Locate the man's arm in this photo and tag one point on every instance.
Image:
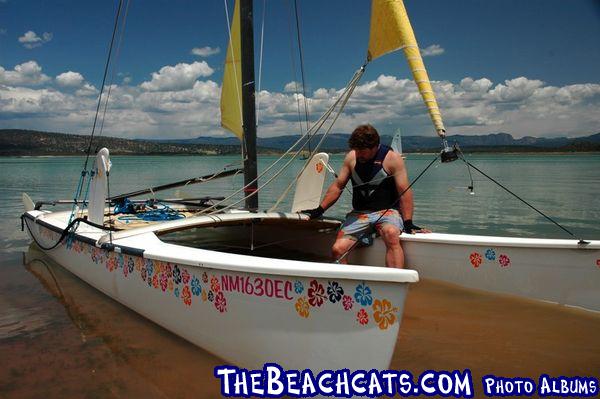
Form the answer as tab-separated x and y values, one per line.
336	188
398	169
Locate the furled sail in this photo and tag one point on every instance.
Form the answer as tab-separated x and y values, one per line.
391	30
231	91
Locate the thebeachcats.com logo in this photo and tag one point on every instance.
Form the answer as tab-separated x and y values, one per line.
272	381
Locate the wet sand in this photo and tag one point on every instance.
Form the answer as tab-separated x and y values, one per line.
60	338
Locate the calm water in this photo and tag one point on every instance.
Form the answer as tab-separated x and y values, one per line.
61	338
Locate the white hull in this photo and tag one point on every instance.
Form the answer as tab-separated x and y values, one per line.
247	310
559	271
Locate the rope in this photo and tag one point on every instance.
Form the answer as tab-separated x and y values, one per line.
64	233
393	205
155	215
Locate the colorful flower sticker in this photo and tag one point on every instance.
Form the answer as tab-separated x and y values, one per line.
347	302
302	307
598	262
504	260
204	296
176	292
383	313
163	282
316	294
196	287
214	284
204	277
186	295
490	254
334	291
211	296
363	294
170	285
185	276
299	288
475	259
221	302
176	275
155	282
149	267
362	317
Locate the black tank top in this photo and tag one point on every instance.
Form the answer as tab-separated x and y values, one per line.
373	189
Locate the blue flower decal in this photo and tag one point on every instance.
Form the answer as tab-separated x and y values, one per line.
149	267
490	254
120	261
298	287
176	275
363	295
334	291
176	292
196	288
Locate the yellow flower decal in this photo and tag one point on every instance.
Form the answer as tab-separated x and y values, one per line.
203	295
303	307
383	313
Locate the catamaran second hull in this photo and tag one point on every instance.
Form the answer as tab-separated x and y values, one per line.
247	310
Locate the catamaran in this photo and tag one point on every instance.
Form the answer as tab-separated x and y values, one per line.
298	309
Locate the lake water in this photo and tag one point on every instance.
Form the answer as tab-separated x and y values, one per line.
61	338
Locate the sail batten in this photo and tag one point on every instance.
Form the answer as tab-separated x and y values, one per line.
391	31
231	91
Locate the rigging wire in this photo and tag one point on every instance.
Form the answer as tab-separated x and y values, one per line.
302	68
294	77
260	60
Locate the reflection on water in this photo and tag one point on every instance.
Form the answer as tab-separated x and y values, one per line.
72	341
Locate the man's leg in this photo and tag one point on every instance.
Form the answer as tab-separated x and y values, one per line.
341	245
394	256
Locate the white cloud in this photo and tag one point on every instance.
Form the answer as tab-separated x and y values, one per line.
205	51
30	39
27	74
187	107
293	87
179	77
70	79
433	50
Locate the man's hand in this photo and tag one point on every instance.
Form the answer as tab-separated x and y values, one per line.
411	228
314	213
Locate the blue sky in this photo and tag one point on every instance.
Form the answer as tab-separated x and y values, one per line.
523	67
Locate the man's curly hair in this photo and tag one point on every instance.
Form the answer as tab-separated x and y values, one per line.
363	137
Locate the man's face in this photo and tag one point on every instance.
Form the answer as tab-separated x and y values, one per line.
364	155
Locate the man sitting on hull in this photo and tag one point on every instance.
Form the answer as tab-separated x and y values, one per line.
378	176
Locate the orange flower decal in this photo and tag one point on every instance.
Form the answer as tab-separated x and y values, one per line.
204	296
302	307
319	167
186	295
383	313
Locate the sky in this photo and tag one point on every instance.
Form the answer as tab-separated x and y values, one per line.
528	68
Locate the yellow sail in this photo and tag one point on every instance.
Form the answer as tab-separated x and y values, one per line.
231	91
391	30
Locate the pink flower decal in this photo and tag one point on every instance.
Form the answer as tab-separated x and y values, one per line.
476	259
155	281
347	302
220	302
186	295
504	260
163	282
185	276
214	284
598	262
362	317
316	294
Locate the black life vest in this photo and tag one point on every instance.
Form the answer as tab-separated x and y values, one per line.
373	189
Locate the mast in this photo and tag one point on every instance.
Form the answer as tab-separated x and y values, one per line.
248	103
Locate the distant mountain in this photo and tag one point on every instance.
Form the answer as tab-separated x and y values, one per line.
338	142
29	142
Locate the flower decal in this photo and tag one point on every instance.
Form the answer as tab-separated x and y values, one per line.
205	277
214	284
196	288
204	296
143	274
130	265
299	288
163	282
383	313
504	260
475	259
176	275
170	285
490	254
176	292
362	317
363	295
598	262
316	294
334	291
155	281
221	302
169	270
149	267
211	296
302	307
347	302
186	295
185	276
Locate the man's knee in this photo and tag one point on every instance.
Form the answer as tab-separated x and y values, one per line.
390	234
341	246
